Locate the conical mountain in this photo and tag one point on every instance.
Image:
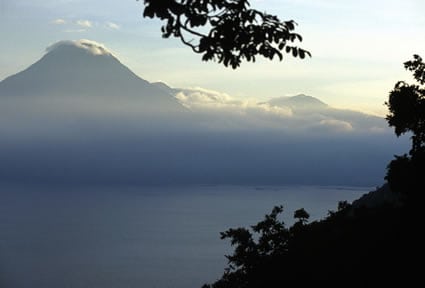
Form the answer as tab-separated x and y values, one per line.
83	68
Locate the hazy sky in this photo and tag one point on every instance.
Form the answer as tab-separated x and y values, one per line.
358	46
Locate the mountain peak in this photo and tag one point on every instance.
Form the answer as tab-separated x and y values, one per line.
75	68
89	46
300	101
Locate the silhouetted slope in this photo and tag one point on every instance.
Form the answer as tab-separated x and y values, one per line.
379	197
379	245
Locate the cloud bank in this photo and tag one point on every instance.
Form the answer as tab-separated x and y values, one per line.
223	111
199	98
109	140
338	125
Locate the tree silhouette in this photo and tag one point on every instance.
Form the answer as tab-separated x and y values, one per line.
407	106
257	251
301	215
227	31
407	115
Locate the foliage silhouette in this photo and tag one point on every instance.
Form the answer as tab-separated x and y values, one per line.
253	258
301	215
407	115
352	247
227	31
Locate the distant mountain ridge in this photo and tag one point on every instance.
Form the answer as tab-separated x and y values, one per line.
305	110
72	69
86	68
299	102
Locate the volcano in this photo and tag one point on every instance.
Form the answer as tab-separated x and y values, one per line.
84	68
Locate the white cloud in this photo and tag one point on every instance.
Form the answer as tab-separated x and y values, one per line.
220	111
92	46
203	99
275	110
84	23
113	25
337	125
59	21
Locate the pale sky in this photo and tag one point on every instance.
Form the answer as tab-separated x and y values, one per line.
358	46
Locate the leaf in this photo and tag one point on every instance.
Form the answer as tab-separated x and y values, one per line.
148	12
294	52
290	25
280	55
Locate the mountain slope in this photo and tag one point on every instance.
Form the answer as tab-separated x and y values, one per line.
308	107
84	68
300	101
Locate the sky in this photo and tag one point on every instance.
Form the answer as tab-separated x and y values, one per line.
358	47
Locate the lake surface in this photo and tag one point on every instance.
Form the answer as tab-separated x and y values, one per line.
137	237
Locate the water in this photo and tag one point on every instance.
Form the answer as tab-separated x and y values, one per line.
136	237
